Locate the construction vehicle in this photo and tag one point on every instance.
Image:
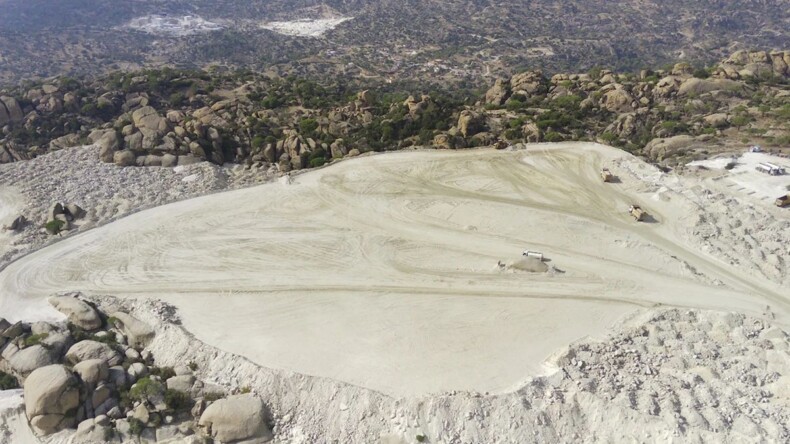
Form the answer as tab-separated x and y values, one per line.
537	255
607	175
783	201
637	212
770	168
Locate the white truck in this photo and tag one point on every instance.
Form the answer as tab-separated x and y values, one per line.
536	254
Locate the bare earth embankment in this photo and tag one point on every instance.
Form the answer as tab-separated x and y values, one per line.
382	272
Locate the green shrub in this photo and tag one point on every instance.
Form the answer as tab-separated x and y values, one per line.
553	136
307	126
421	438
176	400
8	382
35	339
164	373
124	401
258	141
213	396
740	121
81	335
176	99
77	333
317	162
110	338
136	426
144	388
608	137
701	73
516	123
54	226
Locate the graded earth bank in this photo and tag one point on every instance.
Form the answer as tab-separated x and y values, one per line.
382	271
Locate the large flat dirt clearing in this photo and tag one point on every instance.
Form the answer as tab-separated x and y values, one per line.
383	271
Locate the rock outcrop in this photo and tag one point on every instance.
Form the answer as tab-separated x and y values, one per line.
138	332
236	418
88	350
661	148
10	111
498	93
77	311
745	64
51	399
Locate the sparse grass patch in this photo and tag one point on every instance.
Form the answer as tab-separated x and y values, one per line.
35	339
214	396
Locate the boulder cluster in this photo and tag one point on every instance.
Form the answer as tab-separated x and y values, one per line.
144	137
92	375
639	112
168	118
744	64
61	217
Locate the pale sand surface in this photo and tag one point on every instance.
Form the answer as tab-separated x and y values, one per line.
10	203
382	271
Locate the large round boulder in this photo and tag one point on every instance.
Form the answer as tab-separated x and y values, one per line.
30	358
78	312
52	395
659	149
85	350
124	158
235	418
617	100
92	371
139	333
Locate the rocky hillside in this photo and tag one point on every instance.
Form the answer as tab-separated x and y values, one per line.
168	117
430	41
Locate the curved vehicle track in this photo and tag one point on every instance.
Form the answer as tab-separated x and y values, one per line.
381	271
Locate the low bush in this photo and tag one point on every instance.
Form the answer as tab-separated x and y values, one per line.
164	373
8	382
317	162
176	400
136	426
213	396
144	388
54	226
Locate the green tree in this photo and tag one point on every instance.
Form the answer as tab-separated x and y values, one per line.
308	126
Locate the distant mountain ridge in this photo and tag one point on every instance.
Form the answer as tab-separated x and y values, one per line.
429	40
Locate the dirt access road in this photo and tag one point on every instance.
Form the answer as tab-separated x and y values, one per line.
382	271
